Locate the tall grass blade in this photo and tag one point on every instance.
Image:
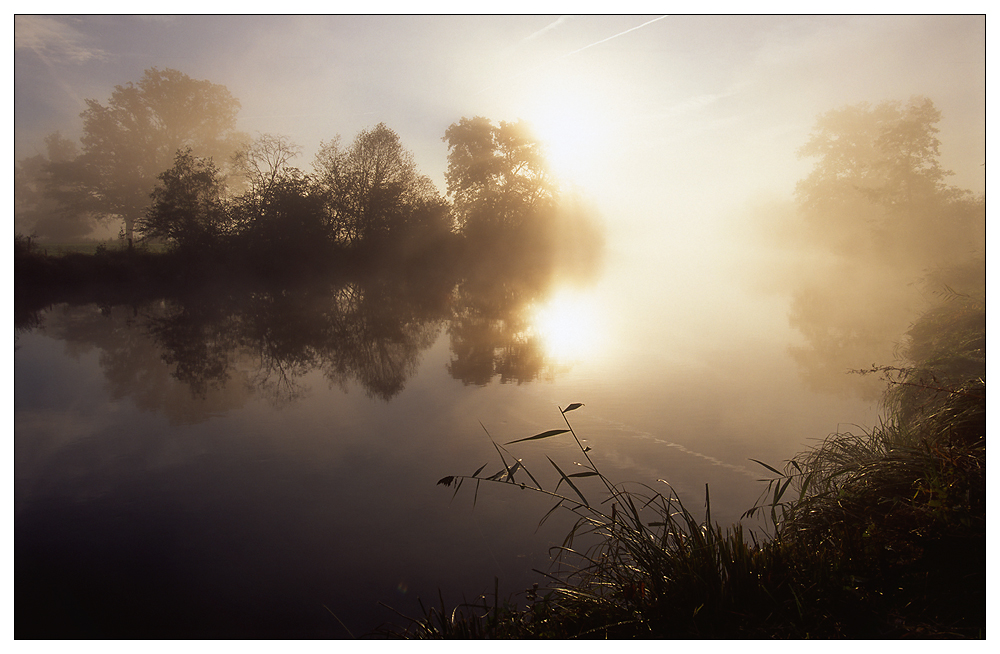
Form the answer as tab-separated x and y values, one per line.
513	469
777	472
546	434
550	512
708	508
568	481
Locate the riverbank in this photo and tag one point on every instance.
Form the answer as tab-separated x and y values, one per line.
877	534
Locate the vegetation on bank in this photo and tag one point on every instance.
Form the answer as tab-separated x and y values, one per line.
880	534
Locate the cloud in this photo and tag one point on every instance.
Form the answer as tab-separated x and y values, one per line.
53	41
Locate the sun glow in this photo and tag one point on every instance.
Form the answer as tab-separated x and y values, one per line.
573	127
569	326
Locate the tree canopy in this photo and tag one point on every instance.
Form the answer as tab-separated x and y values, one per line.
129	141
164	157
497	175
878	189
373	189
187	204
35	206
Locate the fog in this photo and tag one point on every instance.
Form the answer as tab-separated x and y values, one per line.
775	200
676	126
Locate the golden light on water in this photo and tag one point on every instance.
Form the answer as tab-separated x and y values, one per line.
570	326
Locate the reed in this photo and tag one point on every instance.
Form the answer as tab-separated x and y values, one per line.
872	534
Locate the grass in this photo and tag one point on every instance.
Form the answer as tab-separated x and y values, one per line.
878	534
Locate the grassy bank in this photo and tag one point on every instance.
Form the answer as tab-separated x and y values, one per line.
879	534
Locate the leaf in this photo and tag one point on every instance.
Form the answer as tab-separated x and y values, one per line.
573	407
476	473
545	434
502	458
446	480
496	476
568	481
513	469
551	511
583	474
777	472
779	493
531	476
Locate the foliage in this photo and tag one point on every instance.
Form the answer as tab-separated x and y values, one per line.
163	156
878	211
188	208
374	191
264	163
35	208
878	189
497	176
873	535
131	140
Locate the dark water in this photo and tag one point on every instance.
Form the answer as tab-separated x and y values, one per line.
264	463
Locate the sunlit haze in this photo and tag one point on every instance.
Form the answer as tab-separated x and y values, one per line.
571	327
254	325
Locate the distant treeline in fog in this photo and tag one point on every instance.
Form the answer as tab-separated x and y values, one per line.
163	159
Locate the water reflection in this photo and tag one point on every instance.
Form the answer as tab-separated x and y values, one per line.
490	331
370	331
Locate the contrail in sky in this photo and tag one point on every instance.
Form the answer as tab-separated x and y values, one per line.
570	54
648	22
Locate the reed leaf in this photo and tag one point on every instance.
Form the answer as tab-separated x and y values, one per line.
546	434
568	481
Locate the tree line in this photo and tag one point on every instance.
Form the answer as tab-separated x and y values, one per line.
164	158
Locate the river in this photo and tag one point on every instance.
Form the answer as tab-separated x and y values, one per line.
264	463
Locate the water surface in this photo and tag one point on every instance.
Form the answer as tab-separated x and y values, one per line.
247	464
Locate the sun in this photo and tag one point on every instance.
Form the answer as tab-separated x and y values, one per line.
569	326
573	128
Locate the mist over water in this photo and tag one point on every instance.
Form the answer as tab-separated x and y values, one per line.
735	231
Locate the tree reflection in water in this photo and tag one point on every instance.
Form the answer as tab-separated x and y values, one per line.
229	345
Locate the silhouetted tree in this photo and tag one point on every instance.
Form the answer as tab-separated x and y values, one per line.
131	140
188	208
264	164
497	175
374	192
279	221
879	190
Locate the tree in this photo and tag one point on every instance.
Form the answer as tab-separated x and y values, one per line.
265	167
497	176
265	162
35	209
279	220
889	228
878	190
131	140
188	207
374	191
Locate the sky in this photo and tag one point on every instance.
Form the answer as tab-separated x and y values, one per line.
618	95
